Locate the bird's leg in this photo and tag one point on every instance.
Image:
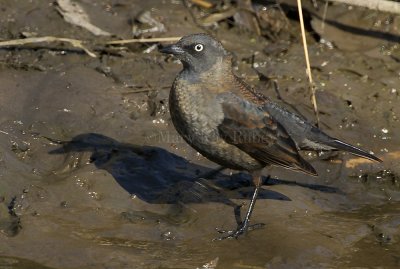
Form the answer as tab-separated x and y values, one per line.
245	226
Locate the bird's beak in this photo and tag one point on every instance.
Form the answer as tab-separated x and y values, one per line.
172	49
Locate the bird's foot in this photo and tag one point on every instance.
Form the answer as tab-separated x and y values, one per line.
241	230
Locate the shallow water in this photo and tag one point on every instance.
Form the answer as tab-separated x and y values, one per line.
93	175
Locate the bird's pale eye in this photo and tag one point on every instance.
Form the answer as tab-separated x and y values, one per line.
198	47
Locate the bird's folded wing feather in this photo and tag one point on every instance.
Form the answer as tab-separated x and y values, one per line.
255	132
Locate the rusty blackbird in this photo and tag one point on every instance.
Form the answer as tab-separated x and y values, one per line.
230	123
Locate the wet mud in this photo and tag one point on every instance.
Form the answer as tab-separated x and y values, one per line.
93	174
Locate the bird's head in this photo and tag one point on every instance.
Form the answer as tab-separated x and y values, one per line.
198	52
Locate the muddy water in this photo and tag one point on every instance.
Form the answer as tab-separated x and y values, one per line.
93	175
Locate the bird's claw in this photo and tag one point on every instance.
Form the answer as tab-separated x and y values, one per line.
238	232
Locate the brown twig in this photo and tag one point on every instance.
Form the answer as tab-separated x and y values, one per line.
143	40
202	3
31	40
79	43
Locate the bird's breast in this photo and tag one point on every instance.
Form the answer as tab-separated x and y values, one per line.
195	111
196	114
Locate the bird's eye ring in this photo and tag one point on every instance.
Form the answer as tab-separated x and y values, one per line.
198	47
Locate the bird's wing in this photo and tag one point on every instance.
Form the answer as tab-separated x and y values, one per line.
255	132
304	134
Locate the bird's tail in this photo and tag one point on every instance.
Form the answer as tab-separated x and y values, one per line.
337	144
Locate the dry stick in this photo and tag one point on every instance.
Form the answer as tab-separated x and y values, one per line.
79	43
203	3
74	42
303	34
380	5
143	40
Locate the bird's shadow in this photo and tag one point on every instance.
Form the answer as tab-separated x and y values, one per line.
158	176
